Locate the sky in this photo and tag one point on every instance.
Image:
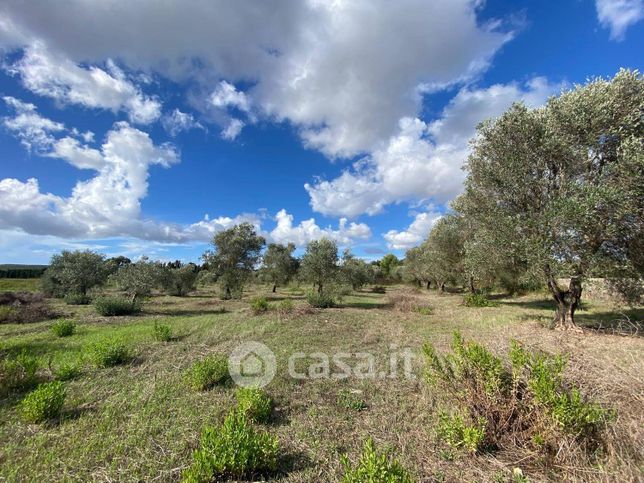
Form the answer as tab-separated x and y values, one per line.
144	128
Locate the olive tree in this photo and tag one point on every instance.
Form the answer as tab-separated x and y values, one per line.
279	266
234	256
139	279
179	279
562	185
355	272
75	272
320	263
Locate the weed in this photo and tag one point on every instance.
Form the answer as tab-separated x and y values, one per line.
254	403
374	466
162	332
114	306
63	328
108	352
259	305
320	300
235	450
44	403
478	300
77	299
351	400
208	372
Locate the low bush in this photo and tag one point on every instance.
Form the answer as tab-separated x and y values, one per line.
378	289
526	404
320	300
455	432
162	332
478	300
44	403
211	371
63	328
115	306
18	372
285	307
374	466
235	450
254	403
77	299
403	302
351	400
109	352
67	370
259	305
425	310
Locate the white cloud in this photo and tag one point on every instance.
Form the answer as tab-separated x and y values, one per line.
33	130
415	233
177	122
423	161
53	75
226	95
233	129
344	73
619	15
308	230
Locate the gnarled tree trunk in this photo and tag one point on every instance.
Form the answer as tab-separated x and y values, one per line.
274	288
429	284
470	282
567	301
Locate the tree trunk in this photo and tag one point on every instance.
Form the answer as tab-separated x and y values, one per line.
567	301
471	284
441	286
274	288
319	288
419	283
229	295
429	284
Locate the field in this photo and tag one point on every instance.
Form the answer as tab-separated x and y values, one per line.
140	421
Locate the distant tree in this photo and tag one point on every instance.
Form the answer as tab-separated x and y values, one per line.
320	263
562	186
235	254
444	249
355	272
179	280
279	266
114	263
388	264
76	272
139	279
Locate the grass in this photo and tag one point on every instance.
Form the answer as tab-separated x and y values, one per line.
19	284
140	422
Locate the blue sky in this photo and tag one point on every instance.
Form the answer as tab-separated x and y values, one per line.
141	128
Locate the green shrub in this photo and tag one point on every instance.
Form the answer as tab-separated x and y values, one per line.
235	450
108	352
63	328
162	332
77	299
44	403
286	306
68	370
455	432
254	403
520	405
259	305
18	372
320	300
478	300
208	372
114	306
374	466
351	400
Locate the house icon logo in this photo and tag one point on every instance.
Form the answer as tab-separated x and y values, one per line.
252	364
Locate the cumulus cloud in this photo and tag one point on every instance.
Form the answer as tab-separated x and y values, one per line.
344	73
177	121
308	230
233	129
53	75
415	233
34	131
423	160
619	15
